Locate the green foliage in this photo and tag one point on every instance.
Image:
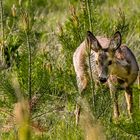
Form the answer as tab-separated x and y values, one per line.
53	82
73	33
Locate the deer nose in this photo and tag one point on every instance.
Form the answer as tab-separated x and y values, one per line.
102	79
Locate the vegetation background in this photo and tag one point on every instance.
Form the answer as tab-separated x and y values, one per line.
38	90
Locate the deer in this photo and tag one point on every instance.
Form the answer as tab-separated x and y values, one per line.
112	63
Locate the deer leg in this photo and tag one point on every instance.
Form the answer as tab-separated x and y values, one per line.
82	84
129	100
115	106
114	97
77	113
116	112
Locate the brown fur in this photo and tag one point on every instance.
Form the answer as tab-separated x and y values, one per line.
112	63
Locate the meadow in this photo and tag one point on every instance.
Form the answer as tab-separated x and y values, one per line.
38	88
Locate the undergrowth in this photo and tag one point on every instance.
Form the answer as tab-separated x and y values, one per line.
50	94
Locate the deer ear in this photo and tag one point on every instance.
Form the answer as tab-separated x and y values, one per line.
116	41
93	42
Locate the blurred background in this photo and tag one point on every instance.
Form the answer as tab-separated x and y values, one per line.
38	88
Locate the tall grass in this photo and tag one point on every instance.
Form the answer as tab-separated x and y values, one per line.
41	57
105	18
2	28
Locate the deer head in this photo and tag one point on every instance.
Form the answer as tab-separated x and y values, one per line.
104	57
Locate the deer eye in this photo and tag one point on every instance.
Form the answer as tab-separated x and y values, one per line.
109	62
